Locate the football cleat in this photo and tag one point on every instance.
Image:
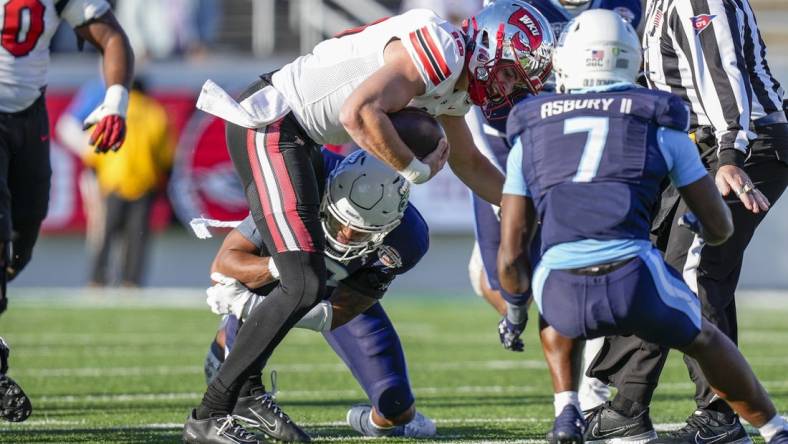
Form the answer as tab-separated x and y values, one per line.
509	334
568	427
14	404
261	412
358	418
707	427
216	430
418	427
605	425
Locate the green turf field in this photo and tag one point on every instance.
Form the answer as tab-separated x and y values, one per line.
131	374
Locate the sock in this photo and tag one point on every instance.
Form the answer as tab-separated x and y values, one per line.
318	318
720	406
626	406
773	427
516	314
252	387
217	401
563	399
379	430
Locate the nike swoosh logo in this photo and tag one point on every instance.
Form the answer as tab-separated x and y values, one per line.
597	434
272	427
700	439
45	137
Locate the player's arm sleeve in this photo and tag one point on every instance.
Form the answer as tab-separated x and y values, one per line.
515	181
248	229
78	12
706	31
436	55
681	157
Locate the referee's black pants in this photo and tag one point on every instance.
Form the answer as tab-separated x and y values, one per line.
281	170
632	365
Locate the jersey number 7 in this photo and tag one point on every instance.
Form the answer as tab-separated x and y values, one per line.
597	129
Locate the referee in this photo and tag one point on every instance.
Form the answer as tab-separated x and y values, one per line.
711	54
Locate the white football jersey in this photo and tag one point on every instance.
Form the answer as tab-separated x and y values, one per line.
316	85
27	28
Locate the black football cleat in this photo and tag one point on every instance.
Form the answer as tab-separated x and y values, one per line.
262	413
708	427
605	425
568	427
14	404
216	430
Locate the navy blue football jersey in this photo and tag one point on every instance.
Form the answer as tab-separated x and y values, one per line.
593	163
371	274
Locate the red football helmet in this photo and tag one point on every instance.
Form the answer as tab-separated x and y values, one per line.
504	35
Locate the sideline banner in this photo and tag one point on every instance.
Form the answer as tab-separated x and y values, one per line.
203	180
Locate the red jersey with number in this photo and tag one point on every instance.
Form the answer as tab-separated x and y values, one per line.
27	28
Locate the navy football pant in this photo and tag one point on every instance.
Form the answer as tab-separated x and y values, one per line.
281	172
633	365
371	349
488	236
644	297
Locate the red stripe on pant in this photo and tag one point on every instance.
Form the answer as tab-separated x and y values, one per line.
262	190
287	191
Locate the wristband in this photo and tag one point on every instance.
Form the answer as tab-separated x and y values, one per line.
731	156
416	172
272	270
116	100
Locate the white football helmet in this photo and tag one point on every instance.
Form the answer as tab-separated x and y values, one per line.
598	47
364	201
507	31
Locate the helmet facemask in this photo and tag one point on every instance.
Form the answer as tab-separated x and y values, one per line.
511	36
364	201
345	240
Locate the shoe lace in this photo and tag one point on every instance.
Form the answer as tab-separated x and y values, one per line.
269	402
695	423
591	413
228	422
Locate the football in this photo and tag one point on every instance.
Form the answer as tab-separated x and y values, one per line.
418	129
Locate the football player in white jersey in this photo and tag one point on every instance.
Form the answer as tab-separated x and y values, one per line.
27	28
343	91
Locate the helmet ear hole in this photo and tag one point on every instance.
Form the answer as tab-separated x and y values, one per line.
485	39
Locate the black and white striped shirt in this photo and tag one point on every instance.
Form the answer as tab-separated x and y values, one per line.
710	53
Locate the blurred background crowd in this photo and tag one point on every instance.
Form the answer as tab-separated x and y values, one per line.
174	165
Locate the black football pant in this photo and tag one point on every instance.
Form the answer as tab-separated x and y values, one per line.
281	169
24	186
633	366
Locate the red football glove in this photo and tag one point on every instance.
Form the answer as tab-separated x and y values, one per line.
109	120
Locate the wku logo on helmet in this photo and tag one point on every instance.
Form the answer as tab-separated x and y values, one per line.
701	22
528	24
